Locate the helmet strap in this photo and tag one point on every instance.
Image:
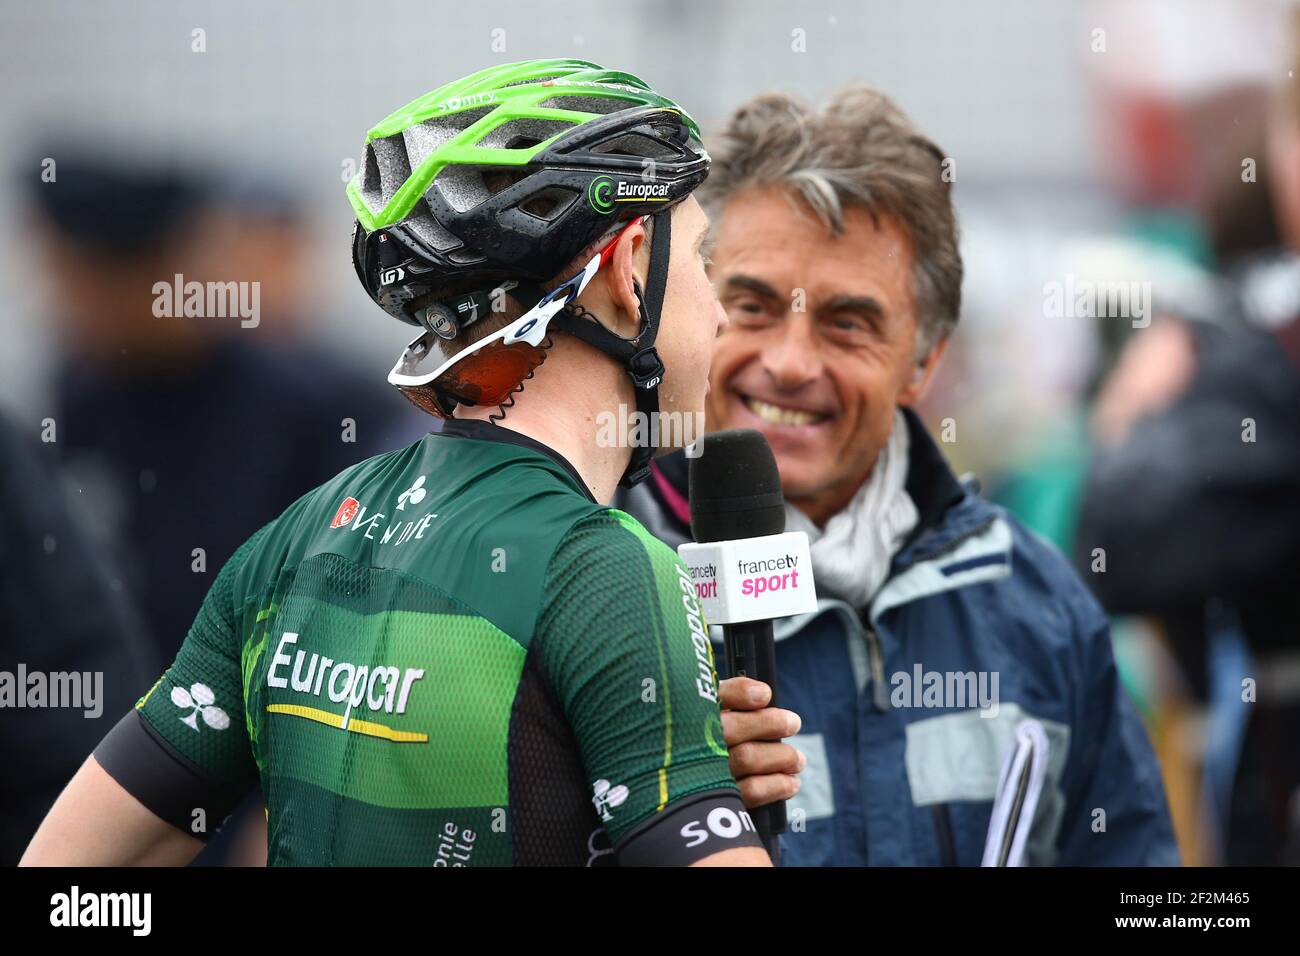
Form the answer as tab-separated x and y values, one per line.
638	356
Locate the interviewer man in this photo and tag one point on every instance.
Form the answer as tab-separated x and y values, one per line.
942	623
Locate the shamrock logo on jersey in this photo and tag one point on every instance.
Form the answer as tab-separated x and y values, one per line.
607	798
414	494
199	699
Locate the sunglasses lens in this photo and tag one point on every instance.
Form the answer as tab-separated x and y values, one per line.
489	375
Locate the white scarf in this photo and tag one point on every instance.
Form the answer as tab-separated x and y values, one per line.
852	554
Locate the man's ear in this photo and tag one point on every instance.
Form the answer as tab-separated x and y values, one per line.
625	272
922	374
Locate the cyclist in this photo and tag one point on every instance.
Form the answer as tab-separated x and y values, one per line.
454	653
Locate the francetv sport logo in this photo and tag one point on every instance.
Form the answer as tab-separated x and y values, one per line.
752	579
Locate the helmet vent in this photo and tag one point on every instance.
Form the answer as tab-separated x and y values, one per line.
634	144
428	230
523	133
464	187
423	138
497	179
547	204
389	155
370	190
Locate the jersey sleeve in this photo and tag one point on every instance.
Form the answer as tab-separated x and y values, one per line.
184	750
625	649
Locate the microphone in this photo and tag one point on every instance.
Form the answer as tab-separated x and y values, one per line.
746	568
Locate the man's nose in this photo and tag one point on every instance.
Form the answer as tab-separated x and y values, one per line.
791	357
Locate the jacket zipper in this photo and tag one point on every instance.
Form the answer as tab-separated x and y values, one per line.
880	702
943	833
879	696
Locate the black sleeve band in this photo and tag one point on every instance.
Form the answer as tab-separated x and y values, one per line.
703	824
163	779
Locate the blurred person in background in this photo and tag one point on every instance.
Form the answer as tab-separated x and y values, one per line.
1176	102
72	648
1193	496
184	433
836	259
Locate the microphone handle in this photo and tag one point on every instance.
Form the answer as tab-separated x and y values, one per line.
751	652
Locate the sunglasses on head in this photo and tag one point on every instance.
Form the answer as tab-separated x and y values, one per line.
486	372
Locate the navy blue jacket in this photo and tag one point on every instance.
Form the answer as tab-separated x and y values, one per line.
889	782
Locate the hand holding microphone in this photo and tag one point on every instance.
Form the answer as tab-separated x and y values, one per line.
765	769
747	571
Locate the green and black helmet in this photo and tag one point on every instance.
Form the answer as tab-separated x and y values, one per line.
511	172
498	182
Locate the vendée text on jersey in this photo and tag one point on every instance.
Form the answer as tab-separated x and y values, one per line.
353	516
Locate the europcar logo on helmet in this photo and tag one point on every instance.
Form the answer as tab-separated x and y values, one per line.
604	192
600	195
641	192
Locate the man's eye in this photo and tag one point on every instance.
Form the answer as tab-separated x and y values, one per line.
856	326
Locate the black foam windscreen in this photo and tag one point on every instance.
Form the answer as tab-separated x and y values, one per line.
735	488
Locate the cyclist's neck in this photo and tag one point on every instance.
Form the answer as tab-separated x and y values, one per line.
571	405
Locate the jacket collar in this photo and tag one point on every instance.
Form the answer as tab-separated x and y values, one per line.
930	482
959	539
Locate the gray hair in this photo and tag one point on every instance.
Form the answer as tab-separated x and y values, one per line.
861	150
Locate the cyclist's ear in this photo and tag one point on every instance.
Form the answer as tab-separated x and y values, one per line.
625	273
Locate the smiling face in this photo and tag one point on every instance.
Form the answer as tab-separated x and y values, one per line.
822	340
